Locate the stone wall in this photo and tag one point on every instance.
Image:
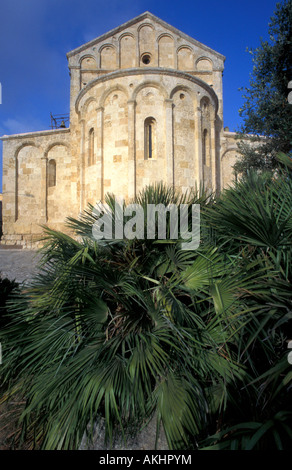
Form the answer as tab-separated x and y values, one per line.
229	156
28	201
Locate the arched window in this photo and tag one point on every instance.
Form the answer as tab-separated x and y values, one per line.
91	147
51	173
150	138
206	148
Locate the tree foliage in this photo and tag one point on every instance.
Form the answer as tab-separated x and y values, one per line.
266	112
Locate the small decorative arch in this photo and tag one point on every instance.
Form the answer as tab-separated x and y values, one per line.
185	58
84	106
88	62
166	49
125	35
106	93
149	138
184	46
145	24
107	45
164	35
52	173
108	57
181	88
204	64
205	105
149	84
127	59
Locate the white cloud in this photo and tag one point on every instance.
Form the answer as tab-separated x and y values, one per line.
20	126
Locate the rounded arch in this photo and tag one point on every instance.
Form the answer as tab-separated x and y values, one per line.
166	51
85	105
150	83
234	148
85	57
227	161
127	43
207	64
25	144
145	24
205	100
54	144
184	46
108	57
184	88
106	45
123	35
106	93
25	188
167	35
185	57
206	103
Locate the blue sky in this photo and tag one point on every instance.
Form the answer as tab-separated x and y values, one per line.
35	36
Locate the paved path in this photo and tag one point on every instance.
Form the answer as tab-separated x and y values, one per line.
18	265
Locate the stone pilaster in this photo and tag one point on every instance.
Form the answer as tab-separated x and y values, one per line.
44	191
169	144
199	174
82	165
131	149
99	155
213	149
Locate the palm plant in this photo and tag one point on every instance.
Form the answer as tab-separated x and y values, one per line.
130	329
124	330
252	221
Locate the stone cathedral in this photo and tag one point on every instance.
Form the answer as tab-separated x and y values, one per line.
146	105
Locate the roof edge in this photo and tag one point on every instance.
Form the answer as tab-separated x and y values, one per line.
34	134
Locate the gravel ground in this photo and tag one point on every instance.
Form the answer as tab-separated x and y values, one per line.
18	265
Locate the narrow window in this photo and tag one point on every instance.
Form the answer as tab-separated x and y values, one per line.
150	138
52	173
206	148
91	147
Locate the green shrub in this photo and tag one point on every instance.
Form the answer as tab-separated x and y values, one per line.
134	328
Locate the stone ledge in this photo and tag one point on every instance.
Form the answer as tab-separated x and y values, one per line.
35	134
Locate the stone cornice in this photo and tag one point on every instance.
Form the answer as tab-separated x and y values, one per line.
35	134
149	71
